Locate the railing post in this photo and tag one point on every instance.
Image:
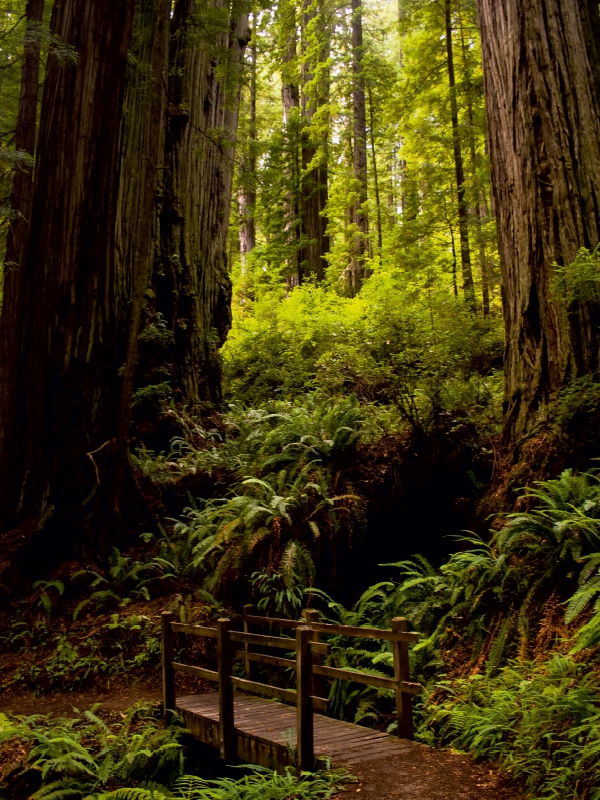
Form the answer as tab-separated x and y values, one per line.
168	673
402	673
225	669
250	670
312	615
304	724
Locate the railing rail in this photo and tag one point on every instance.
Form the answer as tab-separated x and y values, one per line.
308	664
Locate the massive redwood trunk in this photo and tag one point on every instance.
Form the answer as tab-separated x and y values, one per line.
541	71
73	326
192	283
18	236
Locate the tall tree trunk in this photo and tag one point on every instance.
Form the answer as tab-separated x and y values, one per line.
18	237
192	284
479	215
247	190
463	211
290	98
142	136
359	116
542	87
314	189
73	328
375	177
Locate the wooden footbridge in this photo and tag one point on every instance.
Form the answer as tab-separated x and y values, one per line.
256	722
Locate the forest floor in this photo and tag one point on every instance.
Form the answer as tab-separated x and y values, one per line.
429	774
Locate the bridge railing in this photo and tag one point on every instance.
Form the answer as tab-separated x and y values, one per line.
308	664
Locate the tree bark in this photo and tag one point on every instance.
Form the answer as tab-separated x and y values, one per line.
192	283
479	213
314	189
141	140
541	79
73	328
247	190
359	116
18	234
375	177
290	98
463	211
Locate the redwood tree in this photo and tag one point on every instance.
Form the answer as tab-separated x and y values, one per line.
542	84
72	326
192	283
18	234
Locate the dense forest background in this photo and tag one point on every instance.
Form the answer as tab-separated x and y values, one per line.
297	300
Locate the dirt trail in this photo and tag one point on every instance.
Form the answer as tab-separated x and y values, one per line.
118	699
428	775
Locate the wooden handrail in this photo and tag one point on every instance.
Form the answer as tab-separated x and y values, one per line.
195	630
366	633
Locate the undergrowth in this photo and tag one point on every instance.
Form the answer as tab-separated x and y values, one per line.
539	720
136	758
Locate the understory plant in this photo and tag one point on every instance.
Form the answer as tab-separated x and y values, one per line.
138	758
540	721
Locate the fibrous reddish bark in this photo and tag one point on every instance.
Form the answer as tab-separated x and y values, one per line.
18	233
541	71
192	283
73	327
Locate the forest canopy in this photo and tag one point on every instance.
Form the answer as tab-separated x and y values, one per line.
299	307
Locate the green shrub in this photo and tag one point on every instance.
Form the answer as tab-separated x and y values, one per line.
541	722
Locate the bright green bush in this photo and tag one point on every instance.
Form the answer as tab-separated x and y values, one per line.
392	343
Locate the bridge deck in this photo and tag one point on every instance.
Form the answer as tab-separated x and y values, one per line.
266	732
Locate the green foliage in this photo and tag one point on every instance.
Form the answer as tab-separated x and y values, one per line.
287	498
138	759
578	281
391	344
52	658
539	721
277	595
85	757
494	594
45	600
262	785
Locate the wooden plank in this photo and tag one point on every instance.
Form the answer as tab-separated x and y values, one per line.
368	680
195	630
250	669
277	623
404	713
304	727
226	708
289	695
366	633
281	642
199	672
348	741
357	677
263	689
260	658
168	676
311	615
